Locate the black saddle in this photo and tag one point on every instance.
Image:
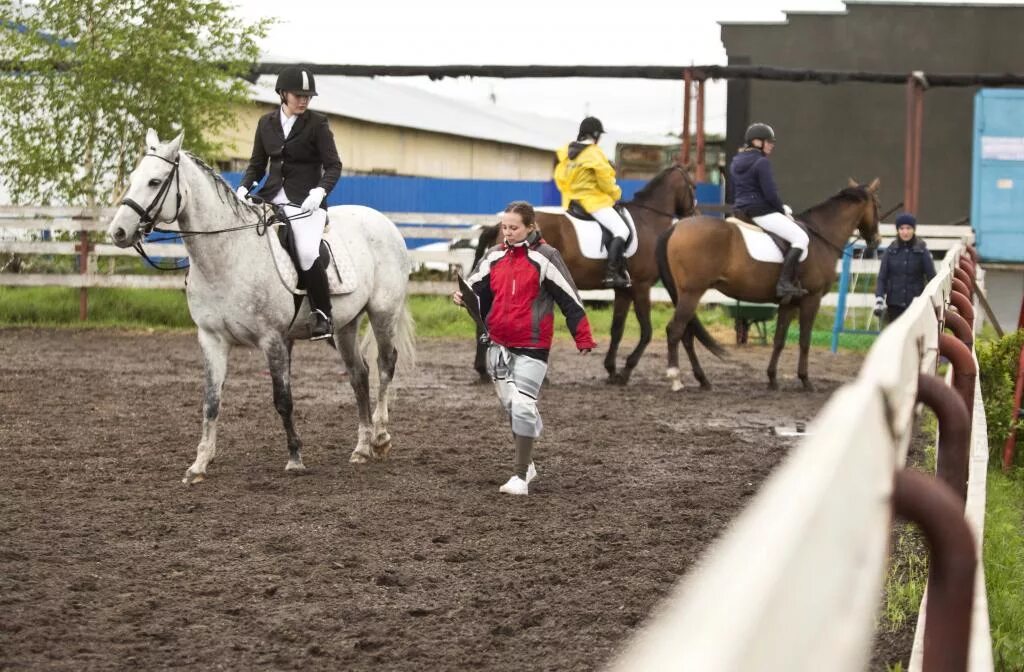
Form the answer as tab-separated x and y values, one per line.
284	234
577	211
779	241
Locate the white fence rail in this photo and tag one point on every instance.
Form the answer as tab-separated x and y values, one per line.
795	582
16	221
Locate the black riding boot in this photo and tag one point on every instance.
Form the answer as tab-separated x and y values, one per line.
315	280
616	275
788	286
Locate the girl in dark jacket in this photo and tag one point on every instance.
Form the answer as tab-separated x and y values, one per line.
518	283
906	268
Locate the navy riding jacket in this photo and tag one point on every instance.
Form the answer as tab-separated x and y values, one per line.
906	269
753	186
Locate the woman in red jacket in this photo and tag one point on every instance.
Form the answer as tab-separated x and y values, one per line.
518	283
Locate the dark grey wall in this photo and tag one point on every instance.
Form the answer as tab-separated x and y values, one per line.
828	133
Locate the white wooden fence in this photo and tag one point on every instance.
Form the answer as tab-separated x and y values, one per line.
15	220
795	582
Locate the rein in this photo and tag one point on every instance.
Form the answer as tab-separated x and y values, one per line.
146	215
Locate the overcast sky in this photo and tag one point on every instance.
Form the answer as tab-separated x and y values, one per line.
528	32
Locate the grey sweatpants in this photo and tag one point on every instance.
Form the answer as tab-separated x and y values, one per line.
517	381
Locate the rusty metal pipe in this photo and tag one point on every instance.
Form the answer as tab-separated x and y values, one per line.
959	327
954	432
965	371
960	286
700	173
952	562
963	277
684	151
973	252
967	265
963	305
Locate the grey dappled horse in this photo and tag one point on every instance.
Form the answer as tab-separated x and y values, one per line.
236	297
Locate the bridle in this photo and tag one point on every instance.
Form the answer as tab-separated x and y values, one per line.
671	215
146	214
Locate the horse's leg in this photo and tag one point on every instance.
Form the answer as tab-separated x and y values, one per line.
215	365
359	378
785	316
279	361
619	311
686	304
691	352
384	330
808	310
642	308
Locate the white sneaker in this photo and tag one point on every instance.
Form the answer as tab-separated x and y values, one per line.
531	473
515	486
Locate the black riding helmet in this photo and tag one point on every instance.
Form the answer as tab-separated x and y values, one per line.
296	79
759	131
590	127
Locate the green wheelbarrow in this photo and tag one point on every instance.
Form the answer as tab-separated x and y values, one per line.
747	315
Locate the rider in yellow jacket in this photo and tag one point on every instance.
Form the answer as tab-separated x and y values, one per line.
584	175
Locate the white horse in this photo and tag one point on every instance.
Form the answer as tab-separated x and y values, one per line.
236	296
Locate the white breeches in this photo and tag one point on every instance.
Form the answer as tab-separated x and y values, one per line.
517	381
308	230
780	225
610	219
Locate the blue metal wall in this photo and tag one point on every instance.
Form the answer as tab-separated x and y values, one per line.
997	186
428	194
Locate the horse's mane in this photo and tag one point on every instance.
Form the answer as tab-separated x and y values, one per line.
224	190
827	208
647	191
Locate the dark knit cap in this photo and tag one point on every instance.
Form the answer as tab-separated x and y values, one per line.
906	219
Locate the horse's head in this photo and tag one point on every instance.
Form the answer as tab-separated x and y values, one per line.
671	192
153	195
867	226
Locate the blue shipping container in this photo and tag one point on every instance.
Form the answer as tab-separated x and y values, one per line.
997	186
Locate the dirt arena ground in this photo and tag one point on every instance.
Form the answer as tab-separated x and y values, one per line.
108	562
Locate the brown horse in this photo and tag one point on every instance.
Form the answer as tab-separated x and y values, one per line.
702	253
667	197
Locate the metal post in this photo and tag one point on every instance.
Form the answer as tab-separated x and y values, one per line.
844	286
685	150
952	561
963	306
918	133
908	150
959	327
701	176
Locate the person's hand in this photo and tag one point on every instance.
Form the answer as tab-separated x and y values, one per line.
457	298
313	201
242	192
787	210
879	306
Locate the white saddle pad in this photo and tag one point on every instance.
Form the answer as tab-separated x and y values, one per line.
588	233
341	274
759	244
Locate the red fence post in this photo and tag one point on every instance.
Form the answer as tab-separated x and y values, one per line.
700	131
684	151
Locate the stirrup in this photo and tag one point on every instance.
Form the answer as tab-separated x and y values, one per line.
321	326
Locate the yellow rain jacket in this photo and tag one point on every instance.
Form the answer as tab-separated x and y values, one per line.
584	174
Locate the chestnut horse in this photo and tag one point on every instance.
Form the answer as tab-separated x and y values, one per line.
667	197
702	253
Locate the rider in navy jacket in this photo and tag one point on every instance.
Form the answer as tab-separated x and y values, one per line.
753	185
906	268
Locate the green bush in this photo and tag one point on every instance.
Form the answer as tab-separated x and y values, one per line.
997	369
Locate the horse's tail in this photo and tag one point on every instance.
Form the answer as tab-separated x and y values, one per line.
706	339
404	342
665	273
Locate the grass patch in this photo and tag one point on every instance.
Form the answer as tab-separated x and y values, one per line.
1004	567
436	316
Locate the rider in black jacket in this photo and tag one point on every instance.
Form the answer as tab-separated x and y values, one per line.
296	147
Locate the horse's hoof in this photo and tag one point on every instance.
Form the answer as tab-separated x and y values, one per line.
677	385
193	478
772	385
705	386
808	385
295	465
358	458
381	446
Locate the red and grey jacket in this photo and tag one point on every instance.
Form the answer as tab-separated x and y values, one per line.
518	286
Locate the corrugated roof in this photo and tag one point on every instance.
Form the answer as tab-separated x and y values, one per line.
380	102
